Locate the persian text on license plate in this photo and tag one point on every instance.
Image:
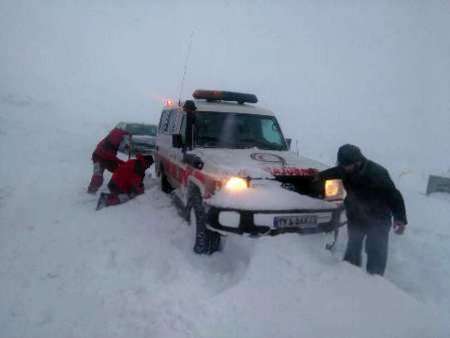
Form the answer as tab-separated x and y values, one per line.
301	221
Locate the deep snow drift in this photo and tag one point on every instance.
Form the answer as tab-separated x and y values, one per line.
68	271
376	74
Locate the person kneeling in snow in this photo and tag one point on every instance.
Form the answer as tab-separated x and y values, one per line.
105	156
126	182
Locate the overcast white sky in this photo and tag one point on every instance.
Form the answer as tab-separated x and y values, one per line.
373	73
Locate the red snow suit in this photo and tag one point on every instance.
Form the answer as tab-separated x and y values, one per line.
106	150
128	177
126	182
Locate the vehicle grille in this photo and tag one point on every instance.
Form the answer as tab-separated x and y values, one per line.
303	185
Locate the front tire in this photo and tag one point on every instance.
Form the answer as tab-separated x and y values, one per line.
165	185
206	241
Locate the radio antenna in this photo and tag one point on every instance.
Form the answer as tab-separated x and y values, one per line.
186	62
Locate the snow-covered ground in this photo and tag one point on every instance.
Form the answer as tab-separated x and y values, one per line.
375	74
69	271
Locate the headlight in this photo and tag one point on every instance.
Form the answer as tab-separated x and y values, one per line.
236	184
333	189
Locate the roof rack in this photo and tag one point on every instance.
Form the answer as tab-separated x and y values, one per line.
220	95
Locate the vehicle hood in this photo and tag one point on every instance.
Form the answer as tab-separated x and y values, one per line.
143	139
256	163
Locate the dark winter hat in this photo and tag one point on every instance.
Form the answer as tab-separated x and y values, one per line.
349	154
189	105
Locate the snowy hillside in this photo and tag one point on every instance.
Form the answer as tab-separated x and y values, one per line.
68	271
377	75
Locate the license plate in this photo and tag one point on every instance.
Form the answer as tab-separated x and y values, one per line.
301	221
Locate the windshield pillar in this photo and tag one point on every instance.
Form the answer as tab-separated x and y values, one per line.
190	119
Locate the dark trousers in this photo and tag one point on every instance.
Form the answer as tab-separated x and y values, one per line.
377	238
99	167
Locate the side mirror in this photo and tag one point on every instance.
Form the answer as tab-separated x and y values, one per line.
289	141
177	141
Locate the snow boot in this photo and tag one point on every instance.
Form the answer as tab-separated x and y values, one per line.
96	182
102	201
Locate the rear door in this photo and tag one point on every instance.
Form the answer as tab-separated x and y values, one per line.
170	158
163	140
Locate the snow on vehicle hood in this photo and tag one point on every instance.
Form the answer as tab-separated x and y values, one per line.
255	163
145	139
267	195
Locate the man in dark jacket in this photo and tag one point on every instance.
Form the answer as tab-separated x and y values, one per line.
371	203
105	156
126	182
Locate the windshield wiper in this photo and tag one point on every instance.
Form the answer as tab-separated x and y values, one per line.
269	146
244	145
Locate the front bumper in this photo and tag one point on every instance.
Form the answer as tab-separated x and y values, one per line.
246	221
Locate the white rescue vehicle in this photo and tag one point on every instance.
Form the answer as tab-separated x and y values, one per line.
228	165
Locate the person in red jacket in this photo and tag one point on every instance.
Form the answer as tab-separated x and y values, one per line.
105	156
126	182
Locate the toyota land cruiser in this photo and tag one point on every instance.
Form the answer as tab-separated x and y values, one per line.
229	168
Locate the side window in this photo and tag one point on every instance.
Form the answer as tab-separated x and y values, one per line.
164	122
171	129
270	131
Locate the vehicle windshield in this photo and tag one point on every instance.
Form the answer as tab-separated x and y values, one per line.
141	129
230	130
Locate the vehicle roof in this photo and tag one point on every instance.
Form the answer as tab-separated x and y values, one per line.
231	107
140	124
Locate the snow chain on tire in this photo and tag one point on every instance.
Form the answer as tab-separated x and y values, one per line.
206	241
